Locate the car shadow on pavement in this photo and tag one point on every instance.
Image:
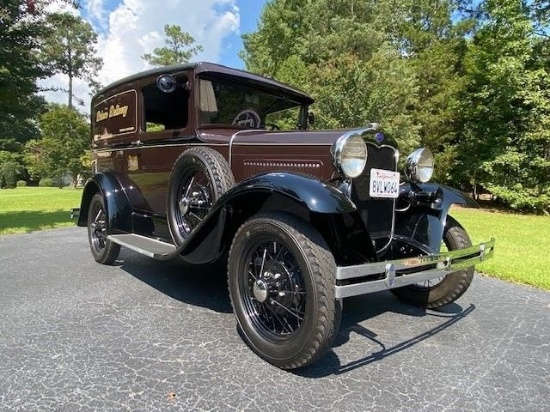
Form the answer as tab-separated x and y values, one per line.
206	286
359	309
198	285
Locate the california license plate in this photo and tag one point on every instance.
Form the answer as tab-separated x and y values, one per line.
384	183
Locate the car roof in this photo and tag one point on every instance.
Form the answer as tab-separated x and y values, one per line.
211	68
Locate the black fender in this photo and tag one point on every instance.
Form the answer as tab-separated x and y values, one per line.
331	212
425	217
117	204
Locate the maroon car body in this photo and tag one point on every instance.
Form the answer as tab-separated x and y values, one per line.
202	162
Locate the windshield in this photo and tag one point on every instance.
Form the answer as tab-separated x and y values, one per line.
226	103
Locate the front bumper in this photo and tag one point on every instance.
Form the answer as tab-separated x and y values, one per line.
374	277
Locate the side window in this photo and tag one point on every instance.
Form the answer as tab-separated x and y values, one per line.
165	111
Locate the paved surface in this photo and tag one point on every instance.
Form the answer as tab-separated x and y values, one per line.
149	336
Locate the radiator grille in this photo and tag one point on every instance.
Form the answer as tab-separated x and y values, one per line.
378	214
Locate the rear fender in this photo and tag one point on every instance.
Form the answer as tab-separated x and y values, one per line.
331	212
117	205
425	219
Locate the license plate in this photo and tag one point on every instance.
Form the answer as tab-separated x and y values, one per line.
384	183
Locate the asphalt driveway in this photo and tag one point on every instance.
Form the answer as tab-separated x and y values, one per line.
150	336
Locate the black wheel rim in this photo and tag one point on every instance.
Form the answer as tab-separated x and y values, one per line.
98	228
272	290
193	200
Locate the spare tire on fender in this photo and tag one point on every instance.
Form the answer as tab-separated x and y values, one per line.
199	178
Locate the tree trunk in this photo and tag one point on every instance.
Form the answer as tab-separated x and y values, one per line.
70	91
70	70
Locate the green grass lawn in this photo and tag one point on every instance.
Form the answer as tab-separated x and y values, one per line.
522	250
26	209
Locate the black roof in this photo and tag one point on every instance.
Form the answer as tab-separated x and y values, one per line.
205	67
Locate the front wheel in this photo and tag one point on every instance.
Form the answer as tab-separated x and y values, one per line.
445	290
281	278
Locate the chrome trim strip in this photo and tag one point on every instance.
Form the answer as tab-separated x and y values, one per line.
283	144
230	156
115	149
445	263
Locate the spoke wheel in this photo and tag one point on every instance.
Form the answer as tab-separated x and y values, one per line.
194	200
273	291
443	290
199	178
103	250
281	279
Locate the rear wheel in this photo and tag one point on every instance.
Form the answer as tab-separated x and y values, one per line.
281	279
103	250
441	291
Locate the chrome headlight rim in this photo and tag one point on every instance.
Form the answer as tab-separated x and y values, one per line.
419	166
354	166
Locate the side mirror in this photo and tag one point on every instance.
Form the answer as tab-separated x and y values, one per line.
166	83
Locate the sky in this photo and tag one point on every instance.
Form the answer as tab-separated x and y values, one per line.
129	28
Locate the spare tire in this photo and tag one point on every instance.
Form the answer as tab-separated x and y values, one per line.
199	178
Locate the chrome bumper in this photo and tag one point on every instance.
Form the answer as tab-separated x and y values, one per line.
396	273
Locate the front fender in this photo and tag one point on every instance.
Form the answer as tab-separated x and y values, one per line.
332	213
424	221
310	192
117	205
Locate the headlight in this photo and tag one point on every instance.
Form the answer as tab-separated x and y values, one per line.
419	166
349	153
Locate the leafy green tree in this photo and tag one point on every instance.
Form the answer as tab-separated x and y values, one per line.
63	146
180	48
278	38
433	41
338	52
69	48
505	147
20	31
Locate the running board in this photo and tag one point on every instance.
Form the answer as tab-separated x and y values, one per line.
153	248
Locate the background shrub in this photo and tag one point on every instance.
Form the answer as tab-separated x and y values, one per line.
46	182
21	183
8	175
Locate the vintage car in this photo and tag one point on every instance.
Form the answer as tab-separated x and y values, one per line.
203	162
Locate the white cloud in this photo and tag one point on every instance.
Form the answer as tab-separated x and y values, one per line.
97	13
136	27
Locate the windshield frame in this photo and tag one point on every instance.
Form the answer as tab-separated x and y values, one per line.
262	88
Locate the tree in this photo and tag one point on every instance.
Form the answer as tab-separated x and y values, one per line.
179	48
338	51
20	31
506	141
63	146
69	49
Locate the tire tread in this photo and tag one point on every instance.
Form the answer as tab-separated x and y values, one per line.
321	261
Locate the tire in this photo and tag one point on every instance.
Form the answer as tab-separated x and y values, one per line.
442	291
281	278
103	250
199	178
